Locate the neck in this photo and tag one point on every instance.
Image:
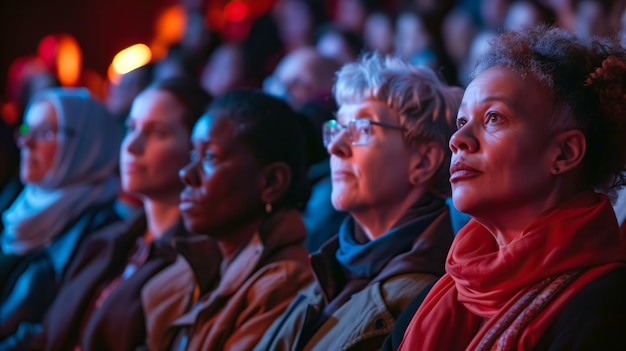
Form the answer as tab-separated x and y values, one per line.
508	223
230	242
160	216
377	221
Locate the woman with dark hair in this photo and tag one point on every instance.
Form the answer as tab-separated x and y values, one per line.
68	160
243	188
542	265
99	304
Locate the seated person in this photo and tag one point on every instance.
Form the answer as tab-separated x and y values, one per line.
243	188
389	167
68	144
542	264
99	303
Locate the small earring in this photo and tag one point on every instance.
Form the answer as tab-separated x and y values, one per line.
555	170
268	208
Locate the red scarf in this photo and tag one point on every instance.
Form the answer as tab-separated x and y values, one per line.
485	283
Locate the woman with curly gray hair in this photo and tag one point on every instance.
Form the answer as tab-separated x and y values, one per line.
542	265
389	158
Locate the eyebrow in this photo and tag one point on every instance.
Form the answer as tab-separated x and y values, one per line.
364	112
499	98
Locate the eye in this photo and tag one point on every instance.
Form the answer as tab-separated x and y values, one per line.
460	122
159	132
130	126
493	117
193	156
208	157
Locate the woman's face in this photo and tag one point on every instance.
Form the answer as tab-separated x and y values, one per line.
155	147
373	176
223	182
503	151
39	145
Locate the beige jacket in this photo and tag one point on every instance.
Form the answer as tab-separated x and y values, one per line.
254	290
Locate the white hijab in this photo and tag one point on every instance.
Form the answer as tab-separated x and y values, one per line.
82	174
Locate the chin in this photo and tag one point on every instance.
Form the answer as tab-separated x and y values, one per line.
339	203
130	187
30	178
464	202
190	224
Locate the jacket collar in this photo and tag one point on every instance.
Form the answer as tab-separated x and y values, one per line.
281	229
427	255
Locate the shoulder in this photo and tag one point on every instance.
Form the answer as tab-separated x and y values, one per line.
98	244
594	318
166	296
172	282
398	291
281	277
102	215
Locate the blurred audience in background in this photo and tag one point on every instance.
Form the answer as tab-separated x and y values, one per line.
305	78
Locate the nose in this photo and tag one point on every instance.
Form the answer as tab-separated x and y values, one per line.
340	146
135	143
189	174
463	139
26	140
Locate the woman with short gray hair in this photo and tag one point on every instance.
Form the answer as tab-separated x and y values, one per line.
389	160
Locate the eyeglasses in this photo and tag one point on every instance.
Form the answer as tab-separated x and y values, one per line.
359	130
40	134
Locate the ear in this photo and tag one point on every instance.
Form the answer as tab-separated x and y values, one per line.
424	163
275	183
572	148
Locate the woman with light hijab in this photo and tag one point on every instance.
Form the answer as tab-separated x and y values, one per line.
68	146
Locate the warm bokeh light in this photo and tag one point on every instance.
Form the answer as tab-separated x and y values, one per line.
233	18
22	70
62	54
95	83
47	49
235	11
10	113
170	26
169	29
127	60
69	61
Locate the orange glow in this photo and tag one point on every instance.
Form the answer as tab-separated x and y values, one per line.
68	61
127	60
170	29
235	11
159	49
61	53
171	24
95	83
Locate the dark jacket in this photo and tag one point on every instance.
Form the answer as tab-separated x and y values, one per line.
119	324
30	282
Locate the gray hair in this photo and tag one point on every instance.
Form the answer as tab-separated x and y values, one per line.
426	105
